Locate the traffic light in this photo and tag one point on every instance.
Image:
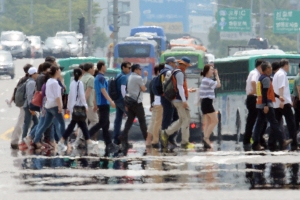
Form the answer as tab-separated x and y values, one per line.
82	25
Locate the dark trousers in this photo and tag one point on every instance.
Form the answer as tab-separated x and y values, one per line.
251	118
290	121
170	115
297	115
82	125
135	111
103	123
274	125
120	110
27	119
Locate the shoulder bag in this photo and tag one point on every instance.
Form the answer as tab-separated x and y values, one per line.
79	112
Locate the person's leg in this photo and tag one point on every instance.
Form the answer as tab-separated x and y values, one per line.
275	127
16	134
151	126
184	115
297	116
290	122
97	126
140	113
60	120
261	118
128	124
104	121
83	126
252	114
174	118
167	113
212	122
157	124
69	130
26	123
118	122
48	121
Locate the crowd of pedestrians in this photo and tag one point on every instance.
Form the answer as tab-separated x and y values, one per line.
40	95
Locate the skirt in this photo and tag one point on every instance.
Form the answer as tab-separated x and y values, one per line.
207	106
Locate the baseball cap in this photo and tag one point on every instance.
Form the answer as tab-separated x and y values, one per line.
186	61
171	59
32	70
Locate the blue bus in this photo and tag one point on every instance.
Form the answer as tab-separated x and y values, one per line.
152	33
138	51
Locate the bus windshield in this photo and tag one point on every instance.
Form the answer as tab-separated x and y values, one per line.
132	50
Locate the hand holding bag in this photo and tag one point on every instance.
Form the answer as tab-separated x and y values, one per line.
79	112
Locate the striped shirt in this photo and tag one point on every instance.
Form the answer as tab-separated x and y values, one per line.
207	88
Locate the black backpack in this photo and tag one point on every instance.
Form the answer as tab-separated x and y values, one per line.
113	88
157	87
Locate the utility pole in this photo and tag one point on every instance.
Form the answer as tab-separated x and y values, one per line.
90	2
31	12
70	15
261	20
115	23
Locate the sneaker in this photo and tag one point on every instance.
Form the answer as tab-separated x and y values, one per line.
155	146
61	147
91	146
112	148
80	144
22	146
258	147
286	143
164	138
188	146
14	146
247	147
28	143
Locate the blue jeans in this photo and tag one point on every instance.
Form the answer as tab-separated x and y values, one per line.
120	110
50	114
55	133
27	118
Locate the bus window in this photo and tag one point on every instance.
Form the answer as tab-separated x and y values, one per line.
233	75
137	51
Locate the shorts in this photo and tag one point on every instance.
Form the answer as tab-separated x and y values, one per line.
207	106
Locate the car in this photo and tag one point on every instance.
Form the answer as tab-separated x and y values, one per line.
73	44
7	66
36	46
57	47
187	42
17	43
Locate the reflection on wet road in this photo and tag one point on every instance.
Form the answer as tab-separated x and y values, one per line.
148	169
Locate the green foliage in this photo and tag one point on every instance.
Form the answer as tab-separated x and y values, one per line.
49	16
286	42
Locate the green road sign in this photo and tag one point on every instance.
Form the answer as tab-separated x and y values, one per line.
286	21
234	20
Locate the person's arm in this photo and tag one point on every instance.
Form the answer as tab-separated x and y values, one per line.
81	95
30	87
151	94
142	84
217	79
123	90
88	92
107	97
253	84
145	78
266	82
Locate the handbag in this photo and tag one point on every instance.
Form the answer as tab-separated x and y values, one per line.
130	101
37	99
79	112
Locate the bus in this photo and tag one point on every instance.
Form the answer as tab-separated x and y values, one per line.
233	73
152	33
137	51
197	57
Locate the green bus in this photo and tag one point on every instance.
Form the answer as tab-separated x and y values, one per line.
233	73
197	57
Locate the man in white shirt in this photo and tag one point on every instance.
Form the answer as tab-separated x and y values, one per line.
282	88
251	103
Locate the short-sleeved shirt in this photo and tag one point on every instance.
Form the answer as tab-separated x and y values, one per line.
280	80
135	82
207	88
252	77
101	82
296	83
121	81
88	82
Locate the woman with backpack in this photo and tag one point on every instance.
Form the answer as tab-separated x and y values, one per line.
207	95
76	102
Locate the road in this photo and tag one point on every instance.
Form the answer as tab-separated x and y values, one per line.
223	173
